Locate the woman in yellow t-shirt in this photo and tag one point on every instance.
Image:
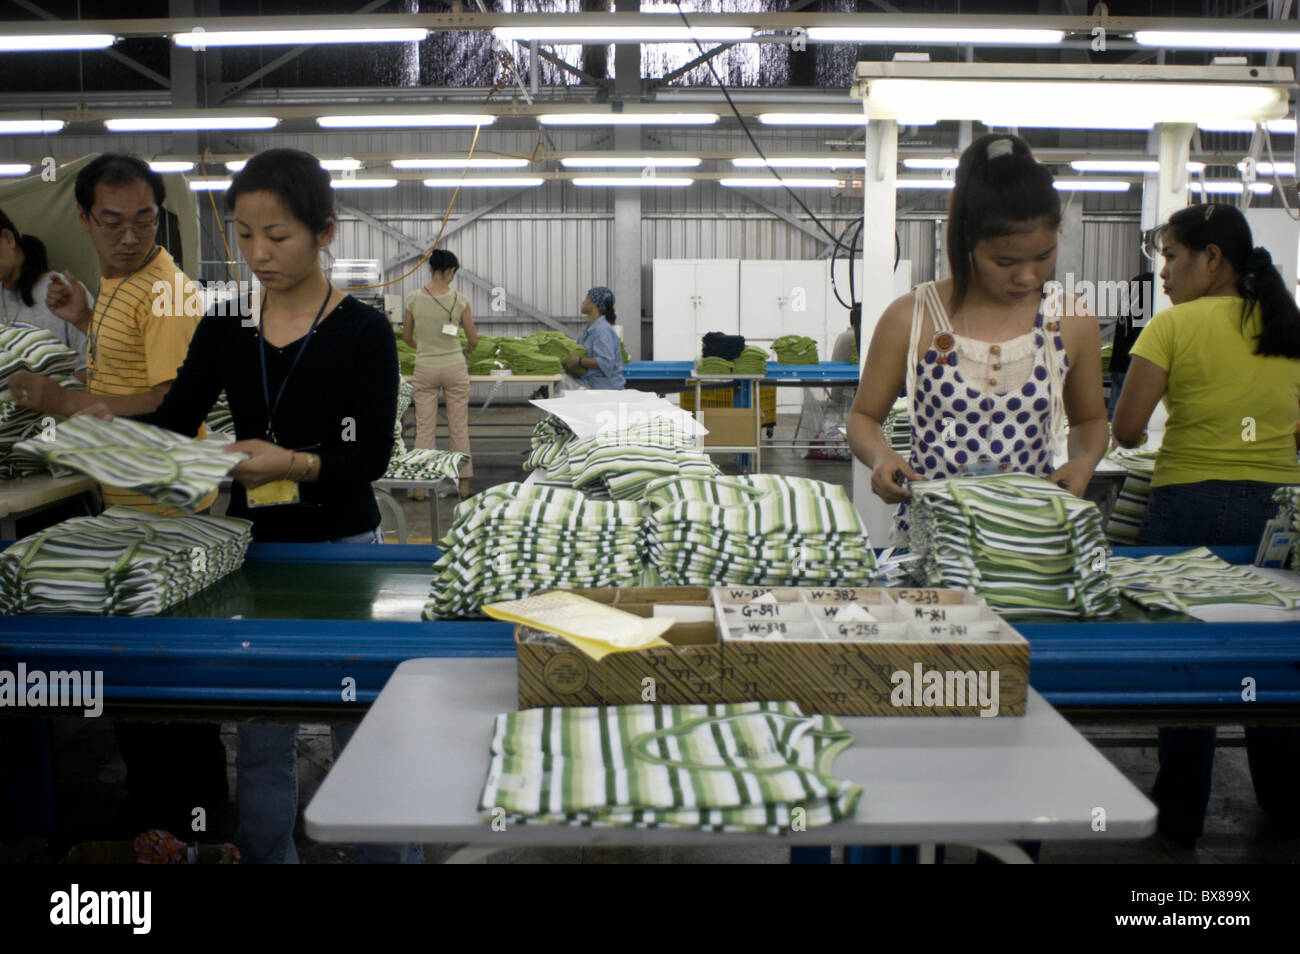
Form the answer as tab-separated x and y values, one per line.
434	316
1225	359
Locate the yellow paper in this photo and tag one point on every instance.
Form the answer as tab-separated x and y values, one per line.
594	628
273	494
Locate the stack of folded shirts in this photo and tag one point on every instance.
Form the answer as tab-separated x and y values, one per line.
714	365
795	349
1288	509
220	421
740	767
33	349
1181	581
514	540
549	439
524	358
168	468
763	529
718	345
17	424
484	359
555	343
623	468
1131	504
124	562
1026	546
425	465
897	428
751	361
405	395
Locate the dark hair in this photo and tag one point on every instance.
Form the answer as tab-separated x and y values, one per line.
609	313
995	196
295	178
1258	280
35	262
440	260
115	168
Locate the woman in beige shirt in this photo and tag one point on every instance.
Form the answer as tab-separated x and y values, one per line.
434	316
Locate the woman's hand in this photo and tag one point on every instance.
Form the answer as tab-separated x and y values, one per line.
1074	476
885	476
266	462
570	361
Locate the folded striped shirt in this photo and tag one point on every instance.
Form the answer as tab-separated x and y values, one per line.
33	349
1131	504
425	465
1288	509
1180	581
738	767
166	467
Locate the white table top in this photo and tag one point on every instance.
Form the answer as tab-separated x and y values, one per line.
25	493
415	769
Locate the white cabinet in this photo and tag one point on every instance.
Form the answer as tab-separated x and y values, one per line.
691	298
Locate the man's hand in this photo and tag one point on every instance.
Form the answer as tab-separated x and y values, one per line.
67	299
39	393
266	462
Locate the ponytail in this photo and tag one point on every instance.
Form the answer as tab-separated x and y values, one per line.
609	313
35	264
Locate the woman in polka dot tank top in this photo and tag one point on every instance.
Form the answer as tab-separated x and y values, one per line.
993	361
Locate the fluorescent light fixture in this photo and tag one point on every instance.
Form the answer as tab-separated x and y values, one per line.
498	182
770	182
630	162
634	182
209	185
183	123
14	169
45	42
1091	185
1225	187
362	183
171	166
920	183
947	162
10	127
814	119
1071	103
1217	40
801	162
1283	127
330	165
1268	168
404	120
199	39
959	36
1143	166
459	163
623	34
628	119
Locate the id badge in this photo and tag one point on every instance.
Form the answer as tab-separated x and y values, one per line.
276	493
451	330
985	466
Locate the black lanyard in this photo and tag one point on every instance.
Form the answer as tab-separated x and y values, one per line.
261	353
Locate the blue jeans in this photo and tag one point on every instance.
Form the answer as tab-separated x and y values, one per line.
267	783
1217	513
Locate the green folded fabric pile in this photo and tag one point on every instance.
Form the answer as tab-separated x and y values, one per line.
763	529
17	424
1028	547
714	365
1288	509
125	562
623	348
558	345
514	539
168	468
35	350
739	767
425	465
1181	581
220	420
1131	505
795	349
897	428
524	358
406	354
484	359
750	361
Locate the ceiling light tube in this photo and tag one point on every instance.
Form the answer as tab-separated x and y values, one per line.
1092	185
1268	168
919	183
1226	187
1217	40
630	162
1131	166
209	185
813	119
627	119
922	162
187	123
16	127
771	182
634	182
801	162
1278	127
404	120
956	36
14	169
47	42
201	39
499	182
362	183
623	34
459	163
171	166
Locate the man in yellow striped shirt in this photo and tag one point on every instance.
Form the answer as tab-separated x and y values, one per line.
144	315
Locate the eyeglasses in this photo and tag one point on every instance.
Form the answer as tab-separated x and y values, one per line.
117	230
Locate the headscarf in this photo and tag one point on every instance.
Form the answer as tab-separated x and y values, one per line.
602	298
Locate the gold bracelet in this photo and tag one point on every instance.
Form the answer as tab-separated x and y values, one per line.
289	469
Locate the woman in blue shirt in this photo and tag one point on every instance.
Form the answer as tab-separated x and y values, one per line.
604	360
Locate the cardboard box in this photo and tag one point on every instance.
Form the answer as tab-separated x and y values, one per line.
926	652
730	426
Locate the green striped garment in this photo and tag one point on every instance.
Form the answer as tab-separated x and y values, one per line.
33	349
897	428
168	468
405	395
1131	505
1288	509
425	465
18	423
124	562
220	422
739	767
1028	547
1181	581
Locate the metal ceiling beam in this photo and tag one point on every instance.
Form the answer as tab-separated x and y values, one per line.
570	68
122	58
789	218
